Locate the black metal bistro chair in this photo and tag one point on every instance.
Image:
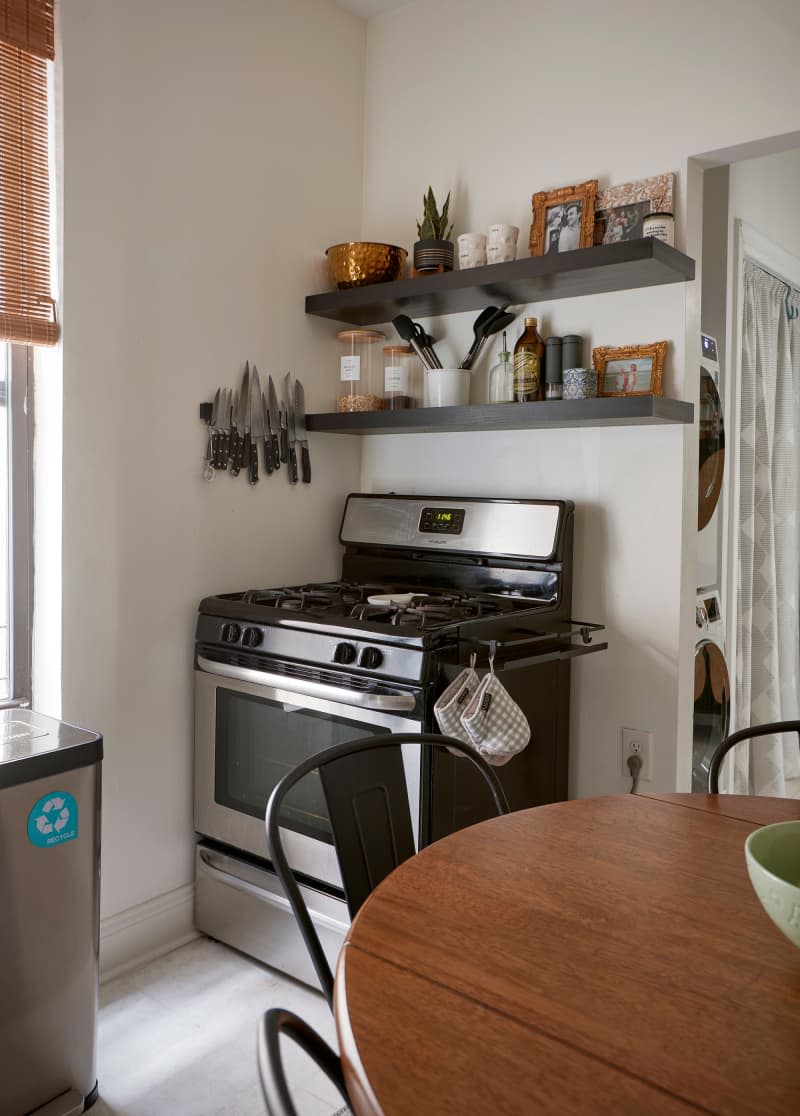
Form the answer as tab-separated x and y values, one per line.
372	832
775	728
273	1024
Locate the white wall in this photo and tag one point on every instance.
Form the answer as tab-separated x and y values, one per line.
506	107
211	151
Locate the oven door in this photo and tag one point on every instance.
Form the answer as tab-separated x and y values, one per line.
250	730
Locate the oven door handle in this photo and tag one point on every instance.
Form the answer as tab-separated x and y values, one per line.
396	702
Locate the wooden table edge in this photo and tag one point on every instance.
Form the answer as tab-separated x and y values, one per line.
362	1098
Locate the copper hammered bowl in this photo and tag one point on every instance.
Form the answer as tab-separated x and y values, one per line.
360	262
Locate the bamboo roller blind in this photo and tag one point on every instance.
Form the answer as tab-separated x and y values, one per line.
27	309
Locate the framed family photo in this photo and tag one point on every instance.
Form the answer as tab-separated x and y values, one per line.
563	219
621	210
630	369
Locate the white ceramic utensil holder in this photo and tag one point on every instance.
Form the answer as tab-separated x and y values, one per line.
447	387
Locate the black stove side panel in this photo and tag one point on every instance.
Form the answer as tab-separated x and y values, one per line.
458	796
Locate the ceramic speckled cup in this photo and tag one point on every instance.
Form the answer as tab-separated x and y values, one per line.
579	383
773	864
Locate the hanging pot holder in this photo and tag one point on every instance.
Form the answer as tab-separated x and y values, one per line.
454	700
495	724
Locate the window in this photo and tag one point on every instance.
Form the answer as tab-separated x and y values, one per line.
15	526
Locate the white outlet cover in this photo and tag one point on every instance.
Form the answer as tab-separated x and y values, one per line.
640	740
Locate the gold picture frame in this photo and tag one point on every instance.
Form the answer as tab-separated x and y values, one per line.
630	369
620	210
554	228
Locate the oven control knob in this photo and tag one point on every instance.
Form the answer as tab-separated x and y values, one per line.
344	653
231	633
371	658
253	637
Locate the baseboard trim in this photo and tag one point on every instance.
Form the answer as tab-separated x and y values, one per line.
146	931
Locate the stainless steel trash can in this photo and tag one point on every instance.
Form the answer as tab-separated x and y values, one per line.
49	914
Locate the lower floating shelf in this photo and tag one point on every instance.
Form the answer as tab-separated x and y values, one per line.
635	410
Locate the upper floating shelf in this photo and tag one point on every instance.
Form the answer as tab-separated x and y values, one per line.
586	271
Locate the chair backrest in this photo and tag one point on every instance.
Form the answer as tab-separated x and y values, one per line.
772	729
365	790
273	1024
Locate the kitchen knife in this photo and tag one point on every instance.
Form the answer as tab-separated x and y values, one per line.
269	465
290	430
221	457
284	438
226	427
237	433
300	430
274	425
212	453
256	424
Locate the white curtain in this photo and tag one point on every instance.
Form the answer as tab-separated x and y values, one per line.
768	638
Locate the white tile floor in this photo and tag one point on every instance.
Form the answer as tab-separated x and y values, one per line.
178	1037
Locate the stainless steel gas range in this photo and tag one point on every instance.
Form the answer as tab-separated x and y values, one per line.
280	674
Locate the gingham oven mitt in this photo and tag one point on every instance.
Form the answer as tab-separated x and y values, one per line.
454	700
496	726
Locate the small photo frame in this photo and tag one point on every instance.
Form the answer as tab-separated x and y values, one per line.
621	210
563	219
630	369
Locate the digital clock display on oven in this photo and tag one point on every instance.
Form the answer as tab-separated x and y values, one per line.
442	521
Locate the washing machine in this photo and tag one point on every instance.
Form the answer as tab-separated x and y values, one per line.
711	465
712	705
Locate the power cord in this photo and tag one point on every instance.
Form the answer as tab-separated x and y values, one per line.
635	767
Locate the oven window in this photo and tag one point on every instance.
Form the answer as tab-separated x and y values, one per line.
258	741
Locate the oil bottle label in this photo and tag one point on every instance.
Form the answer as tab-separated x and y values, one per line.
527	373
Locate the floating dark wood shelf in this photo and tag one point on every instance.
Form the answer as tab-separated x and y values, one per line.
609	411
610	267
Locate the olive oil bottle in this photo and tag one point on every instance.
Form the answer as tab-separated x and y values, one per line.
529	365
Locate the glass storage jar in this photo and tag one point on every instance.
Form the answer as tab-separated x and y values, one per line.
402	378
360	370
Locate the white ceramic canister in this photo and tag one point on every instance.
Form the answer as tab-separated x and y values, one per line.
447	387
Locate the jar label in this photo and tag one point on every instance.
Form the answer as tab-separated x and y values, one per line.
527	373
350	368
395	378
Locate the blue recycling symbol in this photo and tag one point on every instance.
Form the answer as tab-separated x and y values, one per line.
53	820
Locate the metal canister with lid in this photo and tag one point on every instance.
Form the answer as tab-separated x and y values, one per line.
360	370
571	351
552	367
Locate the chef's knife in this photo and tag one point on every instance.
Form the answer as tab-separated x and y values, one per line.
227	420
300	429
239	420
274	425
221	456
269	463
284	438
290	431
256	424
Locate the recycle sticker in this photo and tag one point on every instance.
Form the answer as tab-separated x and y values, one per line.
53	820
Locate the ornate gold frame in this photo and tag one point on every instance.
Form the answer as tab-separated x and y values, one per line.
605	353
586	192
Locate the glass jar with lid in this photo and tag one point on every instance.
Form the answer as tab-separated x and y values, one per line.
360	370
403	384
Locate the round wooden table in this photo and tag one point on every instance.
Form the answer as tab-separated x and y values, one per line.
603	955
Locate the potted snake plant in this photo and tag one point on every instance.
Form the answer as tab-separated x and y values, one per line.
434	250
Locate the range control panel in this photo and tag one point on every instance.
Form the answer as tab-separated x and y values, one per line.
441	521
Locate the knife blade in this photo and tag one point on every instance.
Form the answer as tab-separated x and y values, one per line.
290	428
237	432
274	425
269	463
301	431
256	424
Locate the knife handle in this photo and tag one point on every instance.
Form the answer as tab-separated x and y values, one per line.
234	453
285	445
292	459
226	449
243	450
268	465
305	461
252	459
276	451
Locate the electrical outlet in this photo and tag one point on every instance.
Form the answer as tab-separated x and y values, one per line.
638	742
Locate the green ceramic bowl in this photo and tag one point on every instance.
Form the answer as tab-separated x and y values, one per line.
773	863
